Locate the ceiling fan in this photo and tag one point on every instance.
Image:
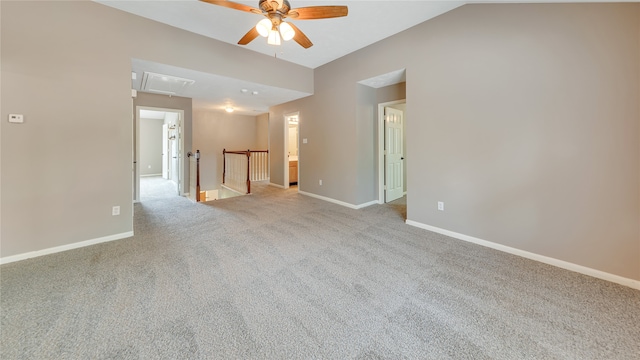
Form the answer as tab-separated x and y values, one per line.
274	27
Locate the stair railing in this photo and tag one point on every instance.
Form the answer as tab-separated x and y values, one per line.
242	167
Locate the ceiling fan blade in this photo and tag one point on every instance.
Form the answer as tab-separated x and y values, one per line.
318	12
233	5
300	37
249	36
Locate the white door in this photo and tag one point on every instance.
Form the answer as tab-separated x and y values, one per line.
179	151
173	161
394	159
165	151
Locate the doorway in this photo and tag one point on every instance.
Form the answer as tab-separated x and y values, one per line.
158	150
392	169
291	149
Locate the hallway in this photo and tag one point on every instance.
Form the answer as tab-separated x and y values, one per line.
155	187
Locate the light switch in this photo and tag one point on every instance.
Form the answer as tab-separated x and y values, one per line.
304	141
16	118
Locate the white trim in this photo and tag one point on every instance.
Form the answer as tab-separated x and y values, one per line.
136	149
57	249
361	206
351	206
634	284
150	175
277	185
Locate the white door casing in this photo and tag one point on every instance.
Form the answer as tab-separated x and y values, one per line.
165	151
178	144
288	117
394	158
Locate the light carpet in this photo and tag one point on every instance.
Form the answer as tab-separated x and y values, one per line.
278	275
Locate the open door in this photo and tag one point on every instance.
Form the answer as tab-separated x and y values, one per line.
394	158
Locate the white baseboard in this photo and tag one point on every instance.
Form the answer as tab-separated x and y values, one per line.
276	185
351	206
57	249
374	202
150	175
634	284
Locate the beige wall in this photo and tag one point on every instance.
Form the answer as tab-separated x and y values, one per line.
530	132
151	146
524	120
277	138
214	131
66	65
262	128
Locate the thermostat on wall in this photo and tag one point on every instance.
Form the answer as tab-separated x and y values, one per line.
16	118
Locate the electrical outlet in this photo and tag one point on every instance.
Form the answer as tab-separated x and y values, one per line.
115	210
304	141
149	167
440	205
320	182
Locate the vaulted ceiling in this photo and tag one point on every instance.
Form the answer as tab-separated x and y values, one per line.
366	23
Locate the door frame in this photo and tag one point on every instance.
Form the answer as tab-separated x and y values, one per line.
286	148
136	149
381	166
165	151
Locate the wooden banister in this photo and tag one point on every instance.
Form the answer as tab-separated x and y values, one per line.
198	176
243	152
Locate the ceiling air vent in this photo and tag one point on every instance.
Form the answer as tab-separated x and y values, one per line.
164	84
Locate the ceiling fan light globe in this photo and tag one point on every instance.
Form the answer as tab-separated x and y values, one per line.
287	31
264	27
274	37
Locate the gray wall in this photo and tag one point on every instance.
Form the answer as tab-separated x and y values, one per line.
215	131
524	120
68	67
151	146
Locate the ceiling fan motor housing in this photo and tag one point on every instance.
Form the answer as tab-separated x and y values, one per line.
281	6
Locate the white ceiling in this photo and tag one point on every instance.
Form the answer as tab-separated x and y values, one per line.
367	23
215	92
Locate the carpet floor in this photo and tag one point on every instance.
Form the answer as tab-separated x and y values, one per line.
155	188
278	275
